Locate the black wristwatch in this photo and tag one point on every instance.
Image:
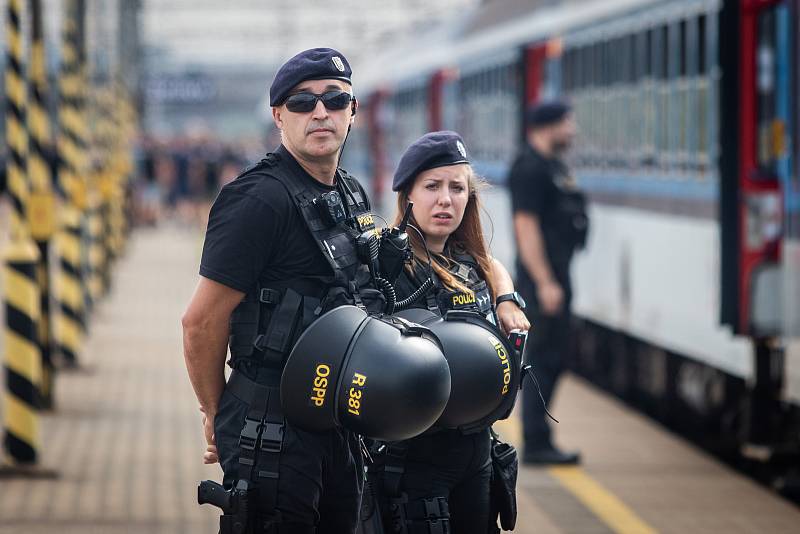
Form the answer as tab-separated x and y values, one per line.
514	297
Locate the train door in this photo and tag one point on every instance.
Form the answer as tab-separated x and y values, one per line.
768	261
762	138
788	23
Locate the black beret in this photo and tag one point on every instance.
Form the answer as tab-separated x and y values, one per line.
313	64
546	113
435	149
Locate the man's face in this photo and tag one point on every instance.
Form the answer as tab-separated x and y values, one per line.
319	133
563	134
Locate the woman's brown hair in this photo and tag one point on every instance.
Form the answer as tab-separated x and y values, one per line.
468	237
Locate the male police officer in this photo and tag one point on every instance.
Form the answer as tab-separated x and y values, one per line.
277	254
550	223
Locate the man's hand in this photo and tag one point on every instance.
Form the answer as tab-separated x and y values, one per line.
511	317
210	456
551	297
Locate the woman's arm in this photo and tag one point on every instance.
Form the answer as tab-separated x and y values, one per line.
509	315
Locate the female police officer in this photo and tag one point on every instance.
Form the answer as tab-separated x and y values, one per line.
439	482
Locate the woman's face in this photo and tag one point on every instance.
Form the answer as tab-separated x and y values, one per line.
440	197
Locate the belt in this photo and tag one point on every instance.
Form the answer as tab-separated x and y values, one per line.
247	390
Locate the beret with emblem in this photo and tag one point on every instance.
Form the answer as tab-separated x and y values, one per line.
434	149
313	64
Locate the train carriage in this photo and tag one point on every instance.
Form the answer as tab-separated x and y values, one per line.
688	293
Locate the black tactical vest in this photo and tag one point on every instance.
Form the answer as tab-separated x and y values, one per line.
265	325
465	269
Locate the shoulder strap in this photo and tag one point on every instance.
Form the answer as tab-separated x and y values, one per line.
268	160
335	243
355	188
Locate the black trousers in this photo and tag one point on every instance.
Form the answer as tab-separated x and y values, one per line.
321	474
455	466
546	351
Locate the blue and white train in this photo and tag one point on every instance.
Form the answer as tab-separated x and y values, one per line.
688	294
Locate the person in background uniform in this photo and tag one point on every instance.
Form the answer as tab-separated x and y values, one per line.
263	279
447	466
547	232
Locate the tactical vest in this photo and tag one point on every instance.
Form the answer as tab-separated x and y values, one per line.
465	269
265	325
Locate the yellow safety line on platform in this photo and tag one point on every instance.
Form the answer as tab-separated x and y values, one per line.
612	511
602	503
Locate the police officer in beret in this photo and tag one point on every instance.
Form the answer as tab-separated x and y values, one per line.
550	224
278	253
440	482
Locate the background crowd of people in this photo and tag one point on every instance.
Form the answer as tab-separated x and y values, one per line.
179	176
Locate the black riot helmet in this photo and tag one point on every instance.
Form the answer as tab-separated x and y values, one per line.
383	378
485	370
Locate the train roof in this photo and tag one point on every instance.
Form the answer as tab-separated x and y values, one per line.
483	32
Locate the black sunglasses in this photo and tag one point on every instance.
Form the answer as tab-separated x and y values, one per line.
305	102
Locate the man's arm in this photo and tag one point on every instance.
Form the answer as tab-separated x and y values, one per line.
530	244
205	340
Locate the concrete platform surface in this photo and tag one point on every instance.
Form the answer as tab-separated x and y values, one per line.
127	442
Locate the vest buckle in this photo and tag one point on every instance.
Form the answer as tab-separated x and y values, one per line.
249	434
269	296
272	437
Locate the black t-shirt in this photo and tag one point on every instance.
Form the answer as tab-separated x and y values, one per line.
256	234
533	185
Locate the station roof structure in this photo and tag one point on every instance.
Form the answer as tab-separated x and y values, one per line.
208	34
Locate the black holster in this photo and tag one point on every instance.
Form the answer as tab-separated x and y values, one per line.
503	495
237	513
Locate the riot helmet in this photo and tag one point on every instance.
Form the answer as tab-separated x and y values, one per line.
485	370
381	377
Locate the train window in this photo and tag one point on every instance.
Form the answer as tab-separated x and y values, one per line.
662	51
683	65
576	69
673	50
702	66
620	58
633	58
596	65
587	66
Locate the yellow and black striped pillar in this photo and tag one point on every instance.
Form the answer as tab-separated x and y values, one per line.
22	362
129	119
89	175
72	151
41	204
94	239
108	135
115	182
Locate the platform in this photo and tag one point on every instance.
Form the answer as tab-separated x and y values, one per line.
127	440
